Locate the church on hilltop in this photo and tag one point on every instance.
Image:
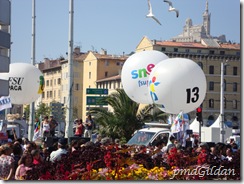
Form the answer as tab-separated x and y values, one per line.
196	33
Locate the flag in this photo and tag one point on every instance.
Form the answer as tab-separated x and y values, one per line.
170	119
37	130
41	85
175	127
5	102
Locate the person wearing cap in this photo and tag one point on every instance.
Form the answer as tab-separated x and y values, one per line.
62	150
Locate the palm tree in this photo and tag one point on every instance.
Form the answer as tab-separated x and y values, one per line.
125	117
123	121
153	113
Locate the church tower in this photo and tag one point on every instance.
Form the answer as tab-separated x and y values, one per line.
206	20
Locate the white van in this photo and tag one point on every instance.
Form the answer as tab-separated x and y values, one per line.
149	135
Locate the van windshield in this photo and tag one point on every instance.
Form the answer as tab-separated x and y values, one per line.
141	138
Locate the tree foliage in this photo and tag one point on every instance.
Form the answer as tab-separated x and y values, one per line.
125	117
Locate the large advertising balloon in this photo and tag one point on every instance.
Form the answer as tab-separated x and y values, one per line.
135	74
177	85
24	82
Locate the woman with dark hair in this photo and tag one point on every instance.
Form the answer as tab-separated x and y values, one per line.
17	153
6	163
79	128
37	159
25	164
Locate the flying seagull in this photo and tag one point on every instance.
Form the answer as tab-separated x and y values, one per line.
171	8
150	14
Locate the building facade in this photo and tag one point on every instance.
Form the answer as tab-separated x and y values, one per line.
209	58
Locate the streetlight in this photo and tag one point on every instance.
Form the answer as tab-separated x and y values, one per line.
222	132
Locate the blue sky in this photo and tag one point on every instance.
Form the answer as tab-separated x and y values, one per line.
117	26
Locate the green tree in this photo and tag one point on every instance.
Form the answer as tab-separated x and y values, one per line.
153	113
125	117
42	110
27	112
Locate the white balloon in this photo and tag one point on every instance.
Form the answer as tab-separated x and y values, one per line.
177	85
135	74
24	82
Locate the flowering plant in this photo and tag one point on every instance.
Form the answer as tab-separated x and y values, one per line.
127	163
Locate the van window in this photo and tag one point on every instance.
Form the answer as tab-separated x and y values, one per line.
141	138
161	136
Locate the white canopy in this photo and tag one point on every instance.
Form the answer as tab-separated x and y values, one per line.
216	124
194	126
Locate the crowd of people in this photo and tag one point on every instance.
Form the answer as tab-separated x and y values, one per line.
20	155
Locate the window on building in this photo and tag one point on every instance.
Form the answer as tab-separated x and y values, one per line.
175	49
211	52
118	84
187	50
234	104
77	86
234	70
54	93
224	85
89	63
110	84
211	86
51	82
211	69
47	82
114	85
117	63
47	94
200	64
222	52
238	53
106	63
51	94
163	49
43	95
59	81
225	102
89	75
225	69
234	86
106	74
199	51
211	103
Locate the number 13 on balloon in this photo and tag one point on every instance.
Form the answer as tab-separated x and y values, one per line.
181	85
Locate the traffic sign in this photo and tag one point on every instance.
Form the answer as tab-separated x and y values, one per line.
96	91
96	100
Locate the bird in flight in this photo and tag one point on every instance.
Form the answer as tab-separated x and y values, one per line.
150	14
171	8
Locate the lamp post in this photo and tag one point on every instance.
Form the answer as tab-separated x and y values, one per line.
222	131
69	114
33	54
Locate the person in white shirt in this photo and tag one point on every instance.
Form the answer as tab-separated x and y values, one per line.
62	150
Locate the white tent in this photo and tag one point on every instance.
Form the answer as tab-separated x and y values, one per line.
217	123
194	126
